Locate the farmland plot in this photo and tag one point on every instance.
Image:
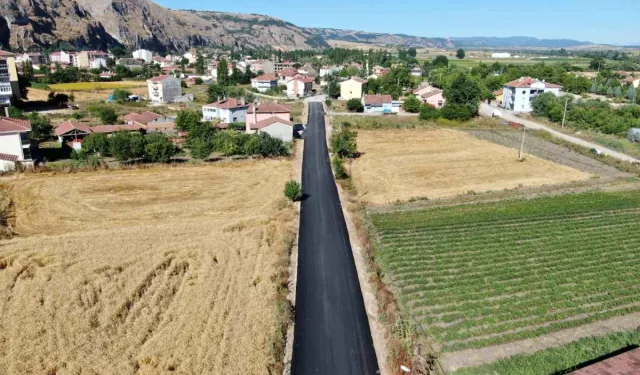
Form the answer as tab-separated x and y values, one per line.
154	271
479	275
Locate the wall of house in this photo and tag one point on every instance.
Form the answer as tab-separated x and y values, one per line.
264	86
7	165
436	101
252	119
11	143
281	131
350	90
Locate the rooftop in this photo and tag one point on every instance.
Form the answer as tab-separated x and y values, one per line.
270	121
227	104
142	118
14	125
377	99
270	108
266	77
68	126
526	82
160	78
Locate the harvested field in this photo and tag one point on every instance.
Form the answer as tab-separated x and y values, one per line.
477	276
404	164
90	86
153	271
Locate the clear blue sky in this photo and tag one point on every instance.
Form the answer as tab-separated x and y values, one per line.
611	21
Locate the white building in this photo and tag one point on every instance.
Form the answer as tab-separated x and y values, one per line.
97	63
61	57
265	82
143	54
500	55
164	89
15	145
6	92
226	111
275	127
192	57
519	94
299	87
326	71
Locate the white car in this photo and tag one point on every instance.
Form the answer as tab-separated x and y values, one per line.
497	114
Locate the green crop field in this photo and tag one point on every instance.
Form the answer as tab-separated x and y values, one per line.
485	274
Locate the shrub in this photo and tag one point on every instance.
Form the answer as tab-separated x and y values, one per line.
355	105
338	168
328	102
125	146
411	104
183	84
158	148
428	113
107	115
96	143
198	81
201	148
344	143
120	95
458	112
293	190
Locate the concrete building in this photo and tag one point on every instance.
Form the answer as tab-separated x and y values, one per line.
265	82
61	57
226	111
164	89
260	112
9	89
299	87
275	127
352	88
97	63
518	94
36	59
143	54
15	145
500	55
377	103
416	71
326	71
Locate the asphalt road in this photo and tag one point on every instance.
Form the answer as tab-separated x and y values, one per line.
332	334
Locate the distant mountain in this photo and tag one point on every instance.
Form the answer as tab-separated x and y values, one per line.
516	41
380	39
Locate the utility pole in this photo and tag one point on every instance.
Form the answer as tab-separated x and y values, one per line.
524	133
564	117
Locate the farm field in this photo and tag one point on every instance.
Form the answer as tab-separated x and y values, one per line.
476	276
152	271
398	165
89	86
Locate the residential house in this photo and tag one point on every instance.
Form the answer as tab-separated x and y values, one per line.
147	118
265	82
326	71
72	133
263	111
162	61
352	88
61	57
164	89
143	54
287	75
377	103
35	59
226	111
97	63
635	81
213	71
83	59
275	127
299	87
499	96
9	88
308	71
416	71
518	94
192	56
279	66
433	98
256	66
15	145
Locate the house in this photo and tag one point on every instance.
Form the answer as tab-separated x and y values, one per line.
635	81
275	127
143	54
499	96
280	66
625	363
191	56
147	118
15	145
226	110
265	82
72	133
299	87
518	94
213	70
352	88
433	98
83	59
263	111
9	88
164	89
110	129
97	63
35	59
308	71
416	71
377	103
60	57
326	71
162	61
423	89
286	75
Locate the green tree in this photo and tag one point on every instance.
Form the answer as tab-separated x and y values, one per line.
223	73
411	104
458	112
460	54
440	62
187	120
332	89
632	94
412	52
107	115
96	143
198	81
464	90
200	64
41	128
428	113
120	95
344	142
247	76
125	146
158	148
355	105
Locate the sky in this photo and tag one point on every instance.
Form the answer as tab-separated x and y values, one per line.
610	22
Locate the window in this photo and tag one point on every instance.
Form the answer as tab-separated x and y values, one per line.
524	91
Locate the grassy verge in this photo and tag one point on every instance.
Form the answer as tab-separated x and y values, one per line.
560	360
405	122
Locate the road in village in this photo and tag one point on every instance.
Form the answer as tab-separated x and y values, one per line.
332	334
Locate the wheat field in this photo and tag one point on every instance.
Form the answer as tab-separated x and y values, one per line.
168	270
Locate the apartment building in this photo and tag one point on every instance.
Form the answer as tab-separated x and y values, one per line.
164	89
9	88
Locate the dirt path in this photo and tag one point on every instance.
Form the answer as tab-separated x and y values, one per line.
477	357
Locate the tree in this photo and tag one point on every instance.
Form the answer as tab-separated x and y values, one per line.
200	65
458	112
412	52
41	128
158	148
464	90
344	143
223	73
201	148
332	89
120	95
125	146
107	115
96	143
198	81
428	113
597	64
236	76
460	54
411	104
631	94
355	105
247	76
440	62
187	120
617	92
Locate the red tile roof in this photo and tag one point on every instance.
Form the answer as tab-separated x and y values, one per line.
160	78
627	363
266	77
68	126
114	128
227	104
288	72
169	126
270	121
526	82
14	125
429	94
107	74
377	99
142	118
270	108
8	157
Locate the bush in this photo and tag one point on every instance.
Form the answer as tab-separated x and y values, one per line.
120	95
125	146
293	191
344	143
428	113
411	104
328	103
458	112
198	81
201	148
158	148
183	84
107	115
338	168
96	143
355	105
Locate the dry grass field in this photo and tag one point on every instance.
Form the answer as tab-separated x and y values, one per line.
403	164
168	270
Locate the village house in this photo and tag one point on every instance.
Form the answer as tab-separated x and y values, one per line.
36	59
416	71
60	57
433	98
226	111
15	146
308	71
263	111
143	54
287	75
162	61
518	94
352	88
147	118
72	134
326	71
107	75
265	82
377	103
98	63
299	87
164	89
499	96
275	127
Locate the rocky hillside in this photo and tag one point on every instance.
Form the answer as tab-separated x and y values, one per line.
140	23
379	39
